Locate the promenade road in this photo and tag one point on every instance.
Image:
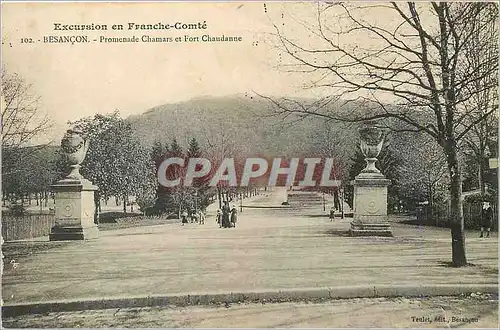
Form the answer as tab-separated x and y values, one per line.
270	249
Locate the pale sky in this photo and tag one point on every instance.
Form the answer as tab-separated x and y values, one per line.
79	80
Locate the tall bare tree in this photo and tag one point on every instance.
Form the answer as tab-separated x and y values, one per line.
22	120
22	123
412	56
482	46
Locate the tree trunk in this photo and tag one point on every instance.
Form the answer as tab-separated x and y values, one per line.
219	195
342	198
480	177
456	220
97	207
124	204
430	209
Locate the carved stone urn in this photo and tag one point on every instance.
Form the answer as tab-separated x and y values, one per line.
372	139
370	189
74	195
74	148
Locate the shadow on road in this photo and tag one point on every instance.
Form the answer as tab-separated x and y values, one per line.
337	233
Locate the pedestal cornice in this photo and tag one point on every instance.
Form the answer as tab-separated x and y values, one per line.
74	185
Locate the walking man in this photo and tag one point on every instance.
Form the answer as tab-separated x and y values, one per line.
184	217
234	215
218	218
486	219
201	217
225	215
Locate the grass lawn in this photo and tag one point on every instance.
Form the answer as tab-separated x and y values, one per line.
135	221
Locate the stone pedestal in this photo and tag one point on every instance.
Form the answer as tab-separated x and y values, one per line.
74	207
370	206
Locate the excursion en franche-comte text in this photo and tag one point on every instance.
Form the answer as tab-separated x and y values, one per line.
134	27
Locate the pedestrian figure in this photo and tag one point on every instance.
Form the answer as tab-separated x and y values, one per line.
184	217
194	217
234	216
332	213
225	215
201	217
218	218
486	219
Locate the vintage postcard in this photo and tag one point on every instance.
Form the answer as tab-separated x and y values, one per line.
315	164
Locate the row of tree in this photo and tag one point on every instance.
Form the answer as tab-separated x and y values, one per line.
177	199
26	171
119	164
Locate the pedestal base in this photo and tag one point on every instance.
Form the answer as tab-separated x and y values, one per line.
370	206
371	229
59	233
74	208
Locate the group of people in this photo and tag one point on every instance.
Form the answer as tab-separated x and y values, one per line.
227	216
198	217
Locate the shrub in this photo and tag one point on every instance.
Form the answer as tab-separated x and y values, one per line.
145	203
477	198
16	207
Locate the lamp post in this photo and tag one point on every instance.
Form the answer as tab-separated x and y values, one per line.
324	203
196	201
342	202
219	195
241	202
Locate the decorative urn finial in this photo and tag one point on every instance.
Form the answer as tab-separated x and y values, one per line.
372	139
74	148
